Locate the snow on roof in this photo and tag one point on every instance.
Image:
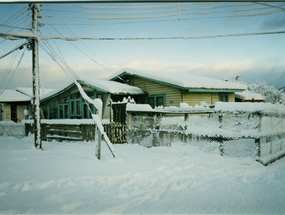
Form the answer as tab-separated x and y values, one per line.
247	95
183	80
29	91
13	96
105	85
113	86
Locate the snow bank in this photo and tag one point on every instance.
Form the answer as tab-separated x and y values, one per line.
10	128
68	179
139	108
268	108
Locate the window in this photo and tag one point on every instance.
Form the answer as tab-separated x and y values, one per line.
87	107
86	110
63	107
102	96
63	111
75	105
53	110
156	100
223	97
63	100
45	111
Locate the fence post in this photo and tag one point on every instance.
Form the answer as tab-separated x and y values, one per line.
221	147
98	146
186	117
257	148
220	120
154	138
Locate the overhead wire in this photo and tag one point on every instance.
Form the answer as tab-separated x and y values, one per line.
14	22
13	16
68	71
160	16
9	66
63	65
85	46
6	79
47	25
13	73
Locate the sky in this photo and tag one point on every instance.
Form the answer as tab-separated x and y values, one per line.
255	58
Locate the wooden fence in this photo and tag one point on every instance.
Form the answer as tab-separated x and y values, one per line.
78	132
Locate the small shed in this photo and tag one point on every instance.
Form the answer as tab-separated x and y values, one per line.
13	104
247	96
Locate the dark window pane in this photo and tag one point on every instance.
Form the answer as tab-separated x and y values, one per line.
78	107
75	95
85	111
226	98
159	101
91	108
63	100
66	111
61	111
90	94
151	101
72	107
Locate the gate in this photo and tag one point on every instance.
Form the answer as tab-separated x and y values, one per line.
118	124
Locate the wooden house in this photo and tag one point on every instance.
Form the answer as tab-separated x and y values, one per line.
15	105
171	89
66	101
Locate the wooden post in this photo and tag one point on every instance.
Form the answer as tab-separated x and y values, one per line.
36	79
98	146
186	117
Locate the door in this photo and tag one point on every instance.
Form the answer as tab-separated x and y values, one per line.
14	112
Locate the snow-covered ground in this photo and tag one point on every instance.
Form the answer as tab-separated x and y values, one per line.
67	178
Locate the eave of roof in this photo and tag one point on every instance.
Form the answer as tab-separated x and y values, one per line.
14	96
68	86
189	89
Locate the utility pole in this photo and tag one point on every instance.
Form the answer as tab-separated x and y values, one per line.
36	78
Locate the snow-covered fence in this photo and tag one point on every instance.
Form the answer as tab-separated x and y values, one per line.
12	129
70	130
232	129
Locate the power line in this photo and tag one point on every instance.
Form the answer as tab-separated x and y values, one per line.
84	45
155	38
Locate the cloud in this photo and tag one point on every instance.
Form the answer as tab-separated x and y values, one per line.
51	75
276	23
230	67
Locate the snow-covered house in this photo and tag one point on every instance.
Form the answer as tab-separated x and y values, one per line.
247	96
66	102
171	89
14	104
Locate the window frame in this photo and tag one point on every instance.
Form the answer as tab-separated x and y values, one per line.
224	97
155	99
